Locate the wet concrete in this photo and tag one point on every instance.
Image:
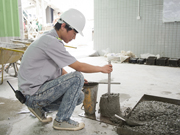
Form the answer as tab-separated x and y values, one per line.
8	114
9	108
160	118
110	105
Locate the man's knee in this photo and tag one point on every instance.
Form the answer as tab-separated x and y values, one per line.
80	76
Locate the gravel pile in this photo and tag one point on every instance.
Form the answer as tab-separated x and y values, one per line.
160	118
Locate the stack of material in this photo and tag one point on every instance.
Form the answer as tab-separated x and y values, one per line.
120	57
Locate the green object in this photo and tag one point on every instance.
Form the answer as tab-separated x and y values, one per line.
9	18
59	38
40	27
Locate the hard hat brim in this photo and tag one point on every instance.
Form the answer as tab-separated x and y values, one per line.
81	34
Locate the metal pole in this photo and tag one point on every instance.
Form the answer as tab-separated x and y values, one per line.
109	80
105	82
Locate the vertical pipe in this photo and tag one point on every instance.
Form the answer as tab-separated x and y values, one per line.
21	20
138	7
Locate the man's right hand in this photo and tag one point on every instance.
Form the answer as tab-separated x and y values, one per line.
107	68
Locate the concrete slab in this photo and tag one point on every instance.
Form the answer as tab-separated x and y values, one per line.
136	80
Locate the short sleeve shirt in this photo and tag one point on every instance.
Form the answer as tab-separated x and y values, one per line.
42	61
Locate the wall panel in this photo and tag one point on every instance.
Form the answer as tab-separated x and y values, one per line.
9	19
116	27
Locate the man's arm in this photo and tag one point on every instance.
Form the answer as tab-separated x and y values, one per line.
87	68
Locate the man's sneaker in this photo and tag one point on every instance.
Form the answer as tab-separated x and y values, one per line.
40	114
68	125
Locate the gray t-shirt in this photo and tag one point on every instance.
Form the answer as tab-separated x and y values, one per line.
42	61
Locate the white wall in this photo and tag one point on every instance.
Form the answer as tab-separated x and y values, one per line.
116	27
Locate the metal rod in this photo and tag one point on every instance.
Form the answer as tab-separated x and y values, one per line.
105	82
109	80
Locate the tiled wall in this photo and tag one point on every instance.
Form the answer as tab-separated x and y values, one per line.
116	27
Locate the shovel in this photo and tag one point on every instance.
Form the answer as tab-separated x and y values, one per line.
129	122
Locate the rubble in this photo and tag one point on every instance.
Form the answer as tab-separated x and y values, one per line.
161	118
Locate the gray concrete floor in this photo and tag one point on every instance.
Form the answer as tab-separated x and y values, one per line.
136	80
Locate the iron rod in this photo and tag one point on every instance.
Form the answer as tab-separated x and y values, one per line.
109	80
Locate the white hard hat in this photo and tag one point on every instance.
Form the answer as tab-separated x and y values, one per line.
75	19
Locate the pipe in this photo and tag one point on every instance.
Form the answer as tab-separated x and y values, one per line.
139	8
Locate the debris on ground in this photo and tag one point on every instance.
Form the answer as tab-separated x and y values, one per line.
161	118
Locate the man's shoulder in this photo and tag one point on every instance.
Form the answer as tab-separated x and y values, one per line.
47	37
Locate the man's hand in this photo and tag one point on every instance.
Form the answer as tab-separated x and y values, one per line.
107	68
85	81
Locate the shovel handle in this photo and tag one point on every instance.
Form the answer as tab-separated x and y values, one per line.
117	116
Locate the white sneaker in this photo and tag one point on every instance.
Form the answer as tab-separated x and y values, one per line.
68	125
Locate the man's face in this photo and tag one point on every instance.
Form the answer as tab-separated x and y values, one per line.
69	35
